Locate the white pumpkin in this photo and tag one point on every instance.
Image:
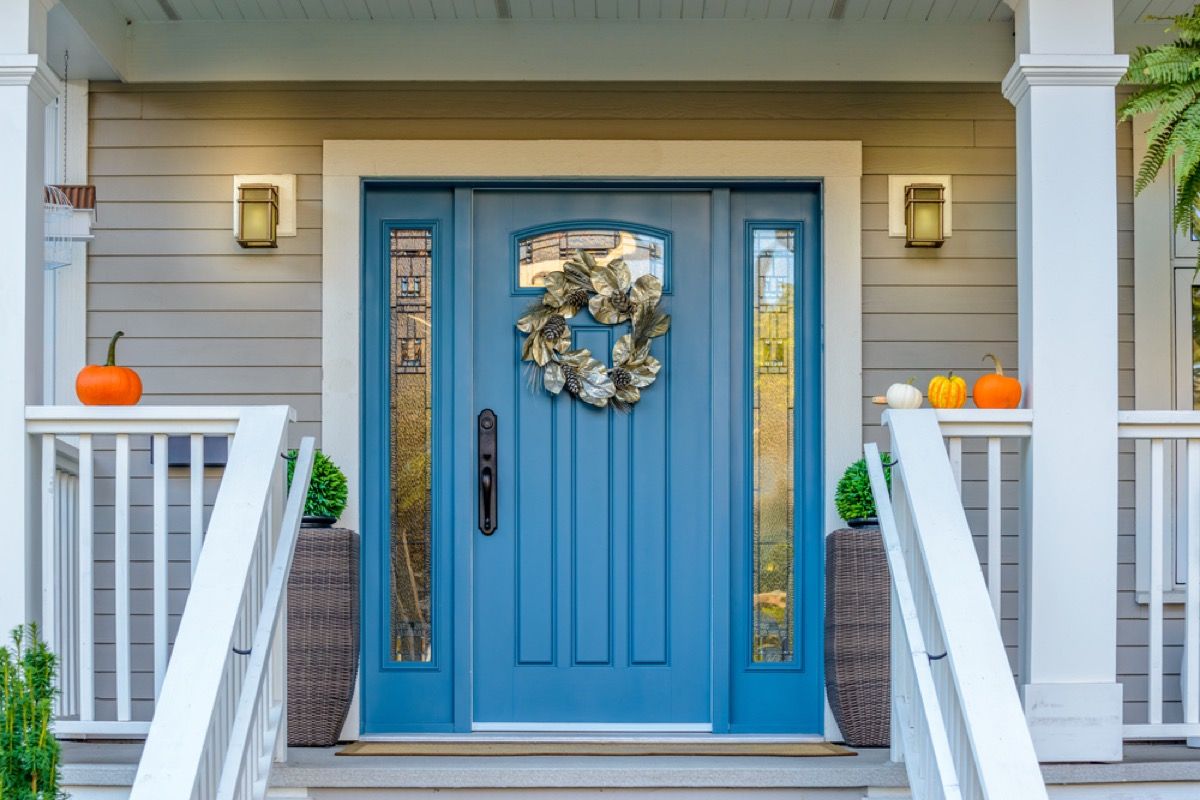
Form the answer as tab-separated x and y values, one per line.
904	395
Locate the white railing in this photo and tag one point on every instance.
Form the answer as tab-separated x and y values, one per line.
989	429
221	716
107	498
956	720
1161	429
60	568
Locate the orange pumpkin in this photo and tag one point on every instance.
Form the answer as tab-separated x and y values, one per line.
997	390
947	391
108	385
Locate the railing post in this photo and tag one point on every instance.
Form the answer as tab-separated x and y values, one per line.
1062	86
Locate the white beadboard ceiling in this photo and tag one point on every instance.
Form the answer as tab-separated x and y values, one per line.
237	10
1126	11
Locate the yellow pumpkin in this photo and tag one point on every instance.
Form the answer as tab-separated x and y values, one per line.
947	391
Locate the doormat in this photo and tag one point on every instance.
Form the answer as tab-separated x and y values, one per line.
706	747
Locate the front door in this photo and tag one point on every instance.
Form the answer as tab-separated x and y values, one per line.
656	567
592	599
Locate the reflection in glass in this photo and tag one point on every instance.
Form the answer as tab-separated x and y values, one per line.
412	541
774	264
538	256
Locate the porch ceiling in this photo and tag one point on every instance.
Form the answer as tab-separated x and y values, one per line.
1125	11
321	10
187	41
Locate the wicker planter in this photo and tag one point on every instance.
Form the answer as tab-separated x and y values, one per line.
322	635
857	635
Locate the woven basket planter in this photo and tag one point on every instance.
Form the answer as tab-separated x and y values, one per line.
857	635
322	634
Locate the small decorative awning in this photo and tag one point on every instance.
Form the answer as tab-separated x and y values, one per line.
82	198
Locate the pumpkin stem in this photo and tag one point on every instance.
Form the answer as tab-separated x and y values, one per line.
112	349
996	361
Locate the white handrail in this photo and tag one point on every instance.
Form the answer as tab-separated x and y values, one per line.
1165	431
993	427
261	708
977	700
192	732
95	483
919	738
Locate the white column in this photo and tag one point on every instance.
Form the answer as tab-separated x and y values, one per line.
26	85
1062	85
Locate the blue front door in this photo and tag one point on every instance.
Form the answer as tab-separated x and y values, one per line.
592	600
652	569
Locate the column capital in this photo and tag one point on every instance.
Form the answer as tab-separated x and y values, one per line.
1061	70
30	70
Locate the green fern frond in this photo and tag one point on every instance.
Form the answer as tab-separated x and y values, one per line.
1167	85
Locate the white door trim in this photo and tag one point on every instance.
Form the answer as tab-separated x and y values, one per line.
837	165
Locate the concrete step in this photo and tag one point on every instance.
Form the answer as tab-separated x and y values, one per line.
104	771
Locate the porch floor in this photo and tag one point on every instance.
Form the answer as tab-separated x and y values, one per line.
114	764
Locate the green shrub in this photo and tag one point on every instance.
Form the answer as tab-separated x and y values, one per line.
853	497
29	753
327	491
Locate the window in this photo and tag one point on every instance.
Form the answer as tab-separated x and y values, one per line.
540	254
773	529
411	573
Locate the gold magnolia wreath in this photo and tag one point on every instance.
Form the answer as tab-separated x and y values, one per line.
612	298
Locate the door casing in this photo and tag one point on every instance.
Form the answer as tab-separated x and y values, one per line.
350	165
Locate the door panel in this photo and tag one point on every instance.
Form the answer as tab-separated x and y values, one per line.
592	600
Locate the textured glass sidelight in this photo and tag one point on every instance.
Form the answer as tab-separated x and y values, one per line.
773	259
543	253
411	422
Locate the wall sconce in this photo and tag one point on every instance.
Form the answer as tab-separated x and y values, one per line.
924	204
920	210
264	210
258	215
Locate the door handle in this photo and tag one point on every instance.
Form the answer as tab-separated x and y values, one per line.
488	465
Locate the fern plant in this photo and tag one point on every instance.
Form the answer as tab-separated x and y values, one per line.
1167	84
29	753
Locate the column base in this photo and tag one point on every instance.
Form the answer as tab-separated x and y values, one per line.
1075	721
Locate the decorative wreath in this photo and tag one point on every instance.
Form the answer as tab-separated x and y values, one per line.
612	298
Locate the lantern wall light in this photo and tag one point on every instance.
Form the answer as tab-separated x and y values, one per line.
920	210
264	209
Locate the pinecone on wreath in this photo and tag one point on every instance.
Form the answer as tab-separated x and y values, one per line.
571	380
555	327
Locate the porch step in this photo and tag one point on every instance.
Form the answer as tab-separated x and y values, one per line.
104	771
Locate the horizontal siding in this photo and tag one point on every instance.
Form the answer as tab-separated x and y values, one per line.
210	323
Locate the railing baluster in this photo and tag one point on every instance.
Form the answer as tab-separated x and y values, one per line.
87	619
1191	687
121	565
49	537
196	510
161	587
1155	654
954	450
69	598
994	536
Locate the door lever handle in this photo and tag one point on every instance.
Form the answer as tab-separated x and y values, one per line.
488	466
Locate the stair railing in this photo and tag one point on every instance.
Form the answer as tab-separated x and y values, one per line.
220	718
957	723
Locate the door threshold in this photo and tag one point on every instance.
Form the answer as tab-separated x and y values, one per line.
592	737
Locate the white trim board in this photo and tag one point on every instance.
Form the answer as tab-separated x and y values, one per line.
838	165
